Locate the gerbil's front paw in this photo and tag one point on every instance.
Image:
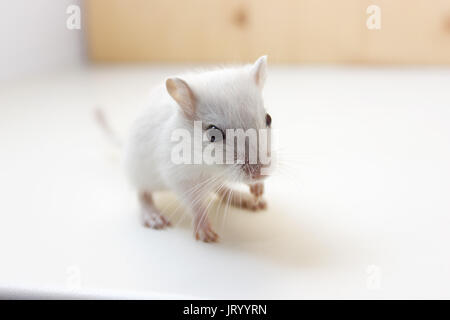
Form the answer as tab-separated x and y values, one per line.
154	220
206	233
254	204
257	189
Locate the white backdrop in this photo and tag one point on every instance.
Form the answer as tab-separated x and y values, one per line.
358	207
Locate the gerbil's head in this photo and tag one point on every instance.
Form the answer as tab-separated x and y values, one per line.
227	107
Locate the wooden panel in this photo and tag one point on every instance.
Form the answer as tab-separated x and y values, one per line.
412	31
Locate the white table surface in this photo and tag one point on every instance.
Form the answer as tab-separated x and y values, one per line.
359	207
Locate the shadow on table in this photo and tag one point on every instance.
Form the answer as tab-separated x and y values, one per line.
279	235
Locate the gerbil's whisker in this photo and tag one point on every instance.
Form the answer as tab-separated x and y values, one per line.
204	184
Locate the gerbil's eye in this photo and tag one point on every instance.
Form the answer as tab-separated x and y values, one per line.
268	120
214	134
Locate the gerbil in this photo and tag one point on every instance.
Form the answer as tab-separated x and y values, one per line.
221	99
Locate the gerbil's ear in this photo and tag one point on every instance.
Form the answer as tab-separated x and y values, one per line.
259	71
183	95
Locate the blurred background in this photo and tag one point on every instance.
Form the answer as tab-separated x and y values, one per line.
289	31
358	209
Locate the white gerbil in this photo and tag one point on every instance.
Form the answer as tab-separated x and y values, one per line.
221	99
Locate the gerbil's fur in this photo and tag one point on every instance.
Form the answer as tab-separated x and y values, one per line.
226	98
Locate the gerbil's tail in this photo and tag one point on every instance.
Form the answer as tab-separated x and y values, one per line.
106	128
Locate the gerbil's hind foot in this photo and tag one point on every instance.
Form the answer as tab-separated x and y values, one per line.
252	203
154	220
151	217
